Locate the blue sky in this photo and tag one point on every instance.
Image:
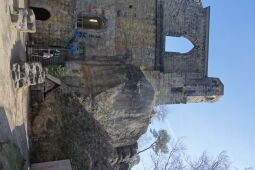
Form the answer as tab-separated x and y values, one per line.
230	123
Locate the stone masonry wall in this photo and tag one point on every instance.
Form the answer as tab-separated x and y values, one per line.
129	34
58	29
186	18
124	37
102	44
136	31
194	90
115	80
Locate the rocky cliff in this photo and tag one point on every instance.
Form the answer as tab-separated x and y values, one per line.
95	119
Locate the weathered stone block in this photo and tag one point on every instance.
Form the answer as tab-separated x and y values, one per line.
24	20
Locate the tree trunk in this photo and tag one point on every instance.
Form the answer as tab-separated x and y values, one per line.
146	148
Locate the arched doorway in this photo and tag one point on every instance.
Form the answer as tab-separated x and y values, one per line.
41	14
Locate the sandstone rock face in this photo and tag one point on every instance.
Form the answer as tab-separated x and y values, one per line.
123	109
94	127
62	129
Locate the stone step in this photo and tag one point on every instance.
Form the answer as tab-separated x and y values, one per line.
27	74
55	165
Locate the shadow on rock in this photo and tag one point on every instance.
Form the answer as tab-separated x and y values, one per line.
63	129
18	52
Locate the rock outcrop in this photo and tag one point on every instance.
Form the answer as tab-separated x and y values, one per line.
97	125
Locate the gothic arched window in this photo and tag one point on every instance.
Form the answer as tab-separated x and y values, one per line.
86	22
178	44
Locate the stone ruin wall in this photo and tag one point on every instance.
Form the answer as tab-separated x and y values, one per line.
188	71
129	35
186	18
57	30
136	31
116	79
104	45
203	90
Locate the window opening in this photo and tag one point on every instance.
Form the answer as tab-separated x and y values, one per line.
211	98
90	22
178	89
178	44
41	14
190	92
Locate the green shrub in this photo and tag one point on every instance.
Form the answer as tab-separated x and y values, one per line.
57	71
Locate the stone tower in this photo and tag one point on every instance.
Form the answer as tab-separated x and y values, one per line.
183	78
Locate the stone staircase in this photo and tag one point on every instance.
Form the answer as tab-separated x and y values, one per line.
27	74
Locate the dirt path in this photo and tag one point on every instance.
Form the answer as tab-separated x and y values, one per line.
14	102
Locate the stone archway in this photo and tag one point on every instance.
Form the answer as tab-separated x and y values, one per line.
41	14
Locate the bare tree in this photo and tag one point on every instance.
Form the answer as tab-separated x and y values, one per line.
160	143
174	159
160	112
171	160
221	162
177	159
249	168
156	158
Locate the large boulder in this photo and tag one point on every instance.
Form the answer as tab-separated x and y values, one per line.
96	130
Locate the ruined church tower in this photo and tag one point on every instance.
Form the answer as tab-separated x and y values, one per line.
118	69
133	32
